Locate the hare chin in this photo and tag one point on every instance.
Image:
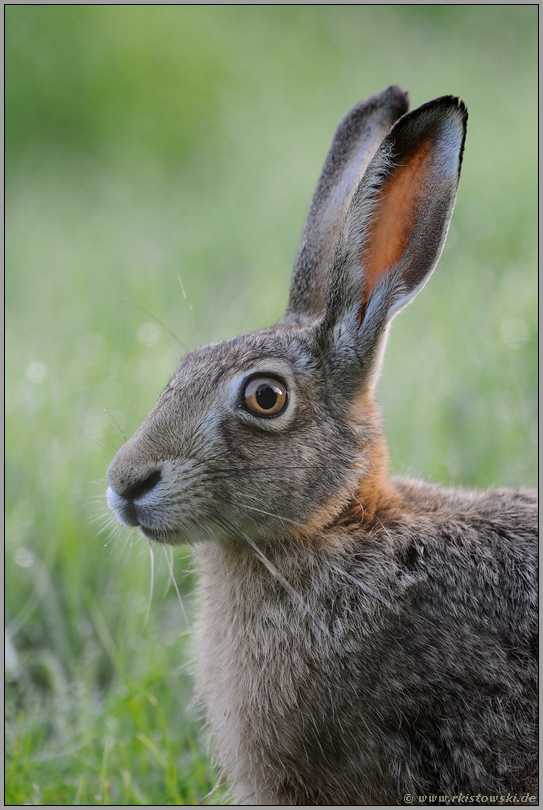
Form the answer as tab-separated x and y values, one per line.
164	537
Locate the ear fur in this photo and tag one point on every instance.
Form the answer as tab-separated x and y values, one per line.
355	143
396	225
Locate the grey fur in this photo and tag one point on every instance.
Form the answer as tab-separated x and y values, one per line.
360	638
356	140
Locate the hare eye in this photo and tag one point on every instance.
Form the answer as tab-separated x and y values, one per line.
265	396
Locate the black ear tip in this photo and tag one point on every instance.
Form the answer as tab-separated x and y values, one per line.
396	97
446	113
456	102
453	106
445	104
463	109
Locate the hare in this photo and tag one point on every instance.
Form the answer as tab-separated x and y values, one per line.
361	639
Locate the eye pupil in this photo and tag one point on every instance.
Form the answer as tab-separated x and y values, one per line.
266	396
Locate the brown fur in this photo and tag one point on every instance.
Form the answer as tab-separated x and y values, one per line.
360	639
417	697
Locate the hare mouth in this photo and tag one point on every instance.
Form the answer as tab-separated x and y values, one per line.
132	513
162	536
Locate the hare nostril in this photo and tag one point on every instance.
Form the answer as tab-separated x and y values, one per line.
141	488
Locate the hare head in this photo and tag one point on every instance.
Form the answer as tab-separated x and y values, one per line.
276	432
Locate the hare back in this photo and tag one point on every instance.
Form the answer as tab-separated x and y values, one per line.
424	678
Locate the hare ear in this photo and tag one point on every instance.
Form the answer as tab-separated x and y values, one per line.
397	221
355	143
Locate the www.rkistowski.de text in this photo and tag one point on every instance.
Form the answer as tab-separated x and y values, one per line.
465	798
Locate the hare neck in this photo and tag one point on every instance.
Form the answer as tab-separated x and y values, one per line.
367	493
375	493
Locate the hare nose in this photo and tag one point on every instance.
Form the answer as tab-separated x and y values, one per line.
132	484
139	488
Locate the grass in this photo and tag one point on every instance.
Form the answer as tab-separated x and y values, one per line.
149	144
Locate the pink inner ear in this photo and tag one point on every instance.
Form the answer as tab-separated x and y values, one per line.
395	214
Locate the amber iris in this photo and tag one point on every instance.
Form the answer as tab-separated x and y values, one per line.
265	396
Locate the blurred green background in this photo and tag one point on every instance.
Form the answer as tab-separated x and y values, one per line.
151	144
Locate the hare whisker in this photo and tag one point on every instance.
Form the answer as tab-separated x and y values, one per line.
268	467
95	502
114	420
169	563
168	552
296	523
108	447
106	523
262	511
151	586
180	344
363	587
225	524
194	321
